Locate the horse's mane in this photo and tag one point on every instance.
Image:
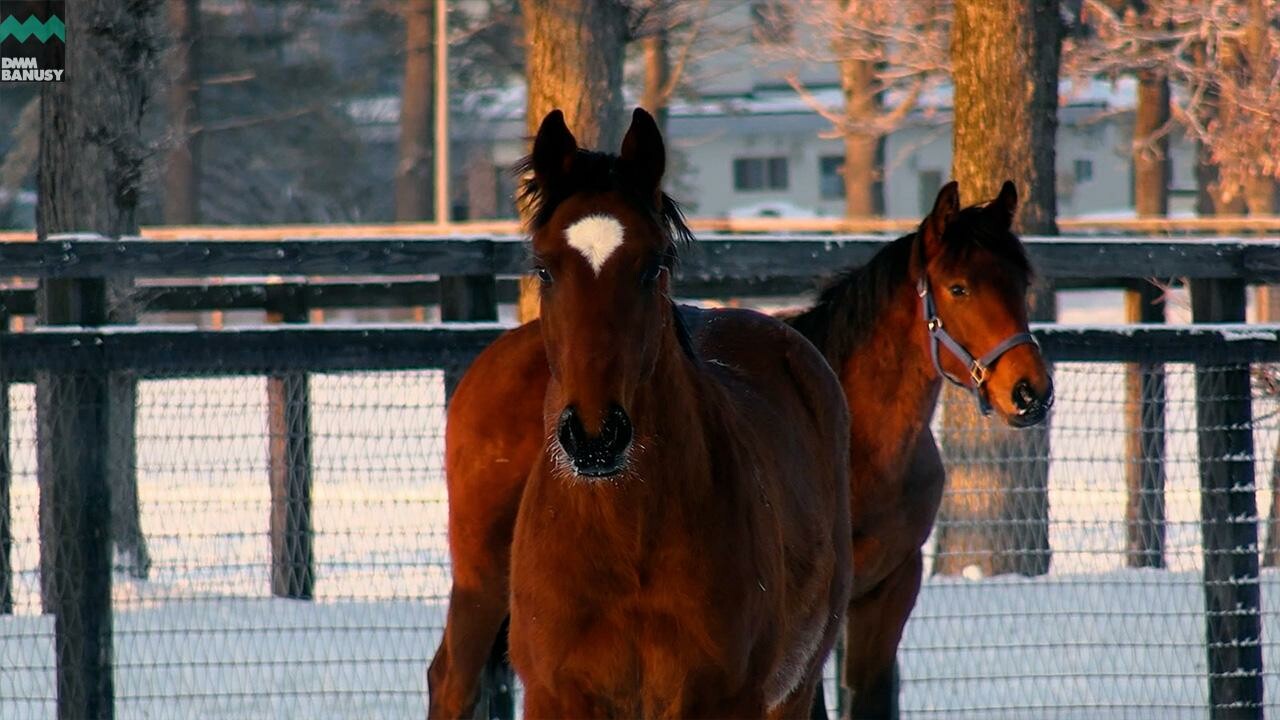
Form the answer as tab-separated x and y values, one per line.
599	172
848	306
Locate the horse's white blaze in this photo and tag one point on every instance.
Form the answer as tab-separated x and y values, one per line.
596	237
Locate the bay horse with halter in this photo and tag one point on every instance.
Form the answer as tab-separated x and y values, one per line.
881	327
682	547
947	302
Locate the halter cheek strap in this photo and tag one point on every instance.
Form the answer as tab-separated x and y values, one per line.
979	368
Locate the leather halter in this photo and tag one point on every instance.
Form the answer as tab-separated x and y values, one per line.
979	368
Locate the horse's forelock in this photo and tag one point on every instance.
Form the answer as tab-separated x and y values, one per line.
598	172
975	228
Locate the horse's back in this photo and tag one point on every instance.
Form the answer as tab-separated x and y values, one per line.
777	364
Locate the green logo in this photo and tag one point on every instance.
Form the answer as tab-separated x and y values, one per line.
42	31
33	40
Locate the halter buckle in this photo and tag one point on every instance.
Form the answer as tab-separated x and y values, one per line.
934	323
979	373
922	287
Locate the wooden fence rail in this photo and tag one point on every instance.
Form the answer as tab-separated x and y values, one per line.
715	257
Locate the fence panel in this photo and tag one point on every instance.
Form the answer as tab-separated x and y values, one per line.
203	635
1095	637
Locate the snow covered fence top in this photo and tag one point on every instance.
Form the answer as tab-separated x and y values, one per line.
712	257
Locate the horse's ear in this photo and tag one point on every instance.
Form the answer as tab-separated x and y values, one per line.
643	150
944	211
1005	205
553	150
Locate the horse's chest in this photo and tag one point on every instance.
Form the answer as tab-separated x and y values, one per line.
649	643
666	648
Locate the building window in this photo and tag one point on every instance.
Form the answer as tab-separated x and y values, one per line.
831	176
760	173
930	184
1084	170
771	23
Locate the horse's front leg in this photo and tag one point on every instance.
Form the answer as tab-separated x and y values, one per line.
874	629
564	702
803	702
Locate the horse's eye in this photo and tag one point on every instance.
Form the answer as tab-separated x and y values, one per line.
959	291
650	275
544	275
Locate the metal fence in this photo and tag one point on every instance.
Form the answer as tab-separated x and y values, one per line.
291	558
1108	630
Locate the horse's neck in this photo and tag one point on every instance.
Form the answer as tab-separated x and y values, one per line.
669	463
671	422
889	375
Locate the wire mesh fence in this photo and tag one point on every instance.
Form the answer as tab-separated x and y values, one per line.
1098	633
201	630
201	634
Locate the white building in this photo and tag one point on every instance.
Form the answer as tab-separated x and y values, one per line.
748	145
768	153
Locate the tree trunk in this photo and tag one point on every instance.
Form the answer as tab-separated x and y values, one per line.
573	61
90	165
1005	59
1151	145
1259	189
1261	194
182	165
1211	199
863	144
1144	442
657	77
1145	382
414	172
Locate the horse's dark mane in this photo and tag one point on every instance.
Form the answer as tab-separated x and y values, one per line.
683	335
599	172
848	306
973	229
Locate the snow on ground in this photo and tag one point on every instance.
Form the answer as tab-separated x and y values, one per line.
1102	646
203	637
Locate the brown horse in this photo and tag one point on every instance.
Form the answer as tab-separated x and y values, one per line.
874	326
682	547
946	302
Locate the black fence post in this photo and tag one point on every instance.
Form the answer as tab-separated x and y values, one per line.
75	508
289	447
6	481
1228	515
467	298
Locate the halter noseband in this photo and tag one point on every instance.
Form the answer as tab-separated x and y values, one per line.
980	368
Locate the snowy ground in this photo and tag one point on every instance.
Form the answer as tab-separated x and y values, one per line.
203	637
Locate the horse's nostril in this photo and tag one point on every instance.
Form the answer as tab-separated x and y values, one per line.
595	455
616	434
570	432
1024	396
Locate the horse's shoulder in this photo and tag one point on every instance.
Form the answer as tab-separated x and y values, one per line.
512	362
520	345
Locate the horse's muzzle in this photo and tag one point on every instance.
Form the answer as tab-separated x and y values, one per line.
597	456
1032	407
